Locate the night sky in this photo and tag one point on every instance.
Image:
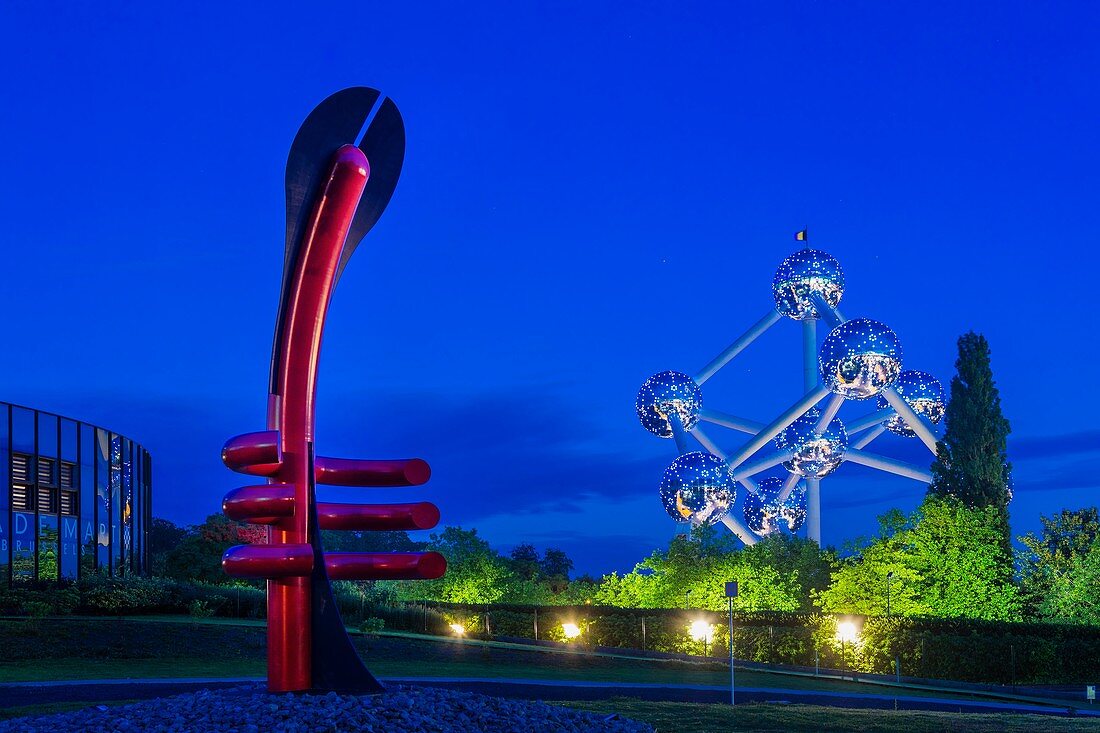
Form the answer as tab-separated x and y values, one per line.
589	196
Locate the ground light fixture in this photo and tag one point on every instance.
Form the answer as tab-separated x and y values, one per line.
846	633
702	631
458	629
571	630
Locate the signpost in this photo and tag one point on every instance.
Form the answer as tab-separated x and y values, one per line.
1090	693
731	593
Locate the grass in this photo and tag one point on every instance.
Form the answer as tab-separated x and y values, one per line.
695	718
105	648
74	648
22	711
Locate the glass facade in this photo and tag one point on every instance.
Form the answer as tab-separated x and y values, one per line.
78	499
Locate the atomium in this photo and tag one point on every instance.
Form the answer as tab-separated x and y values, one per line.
804	274
793	510
697	488
860	358
813	454
765	514
857	360
666	393
923	393
761	510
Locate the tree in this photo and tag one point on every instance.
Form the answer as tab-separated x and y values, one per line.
776	574
525	561
555	566
199	555
1055	565
972	459
164	536
388	541
476	573
946	559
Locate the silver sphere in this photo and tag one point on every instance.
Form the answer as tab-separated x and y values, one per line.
697	488
805	273
923	393
793	511
761	511
860	358
665	393
813	455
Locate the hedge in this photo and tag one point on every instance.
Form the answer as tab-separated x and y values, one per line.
958	649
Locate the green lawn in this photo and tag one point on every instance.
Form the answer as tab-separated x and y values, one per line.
76	648
104	648
693	718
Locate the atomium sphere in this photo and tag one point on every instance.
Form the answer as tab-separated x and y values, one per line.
761	510
793	511
860	358
664	393
813	455
800	276
925	395
697	488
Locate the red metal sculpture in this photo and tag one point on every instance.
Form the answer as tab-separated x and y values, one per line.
335	193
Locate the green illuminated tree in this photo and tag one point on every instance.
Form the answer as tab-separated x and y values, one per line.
947	560
1058	569
972	460
476	573
778	574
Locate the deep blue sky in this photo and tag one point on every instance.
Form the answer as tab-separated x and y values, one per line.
590	195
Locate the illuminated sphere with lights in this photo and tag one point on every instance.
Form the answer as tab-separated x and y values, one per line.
813	455
860	358
697	488
923	393
666	393
793	511
761	510
803	274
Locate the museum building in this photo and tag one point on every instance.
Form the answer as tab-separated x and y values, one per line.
79	499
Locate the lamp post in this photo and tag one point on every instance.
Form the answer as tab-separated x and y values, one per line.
889	577
731	593
686	594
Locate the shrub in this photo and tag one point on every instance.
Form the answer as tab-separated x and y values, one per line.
372	625
199	609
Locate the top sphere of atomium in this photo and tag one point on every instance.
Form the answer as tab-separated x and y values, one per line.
860	358
806	273
666	393
923	393
697	488
813	455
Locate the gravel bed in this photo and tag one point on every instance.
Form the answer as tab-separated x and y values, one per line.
403	708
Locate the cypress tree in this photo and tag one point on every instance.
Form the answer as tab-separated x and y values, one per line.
972	459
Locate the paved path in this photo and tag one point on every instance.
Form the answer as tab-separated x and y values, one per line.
94	691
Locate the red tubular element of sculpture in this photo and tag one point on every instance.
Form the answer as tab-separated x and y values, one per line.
256	454
352	472
255	503
268	561
378	517
384	565
302	613
291	408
